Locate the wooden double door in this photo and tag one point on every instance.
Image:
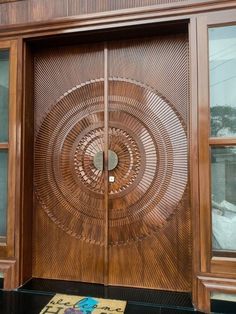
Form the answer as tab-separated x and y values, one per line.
111	199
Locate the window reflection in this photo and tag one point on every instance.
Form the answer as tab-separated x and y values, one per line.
222	60
223	178
4	85
3	193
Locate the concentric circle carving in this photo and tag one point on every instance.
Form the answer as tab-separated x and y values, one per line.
90	145
149	138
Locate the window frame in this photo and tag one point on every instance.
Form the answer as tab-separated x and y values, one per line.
209	263
7	247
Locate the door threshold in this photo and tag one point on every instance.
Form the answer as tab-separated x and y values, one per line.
135	296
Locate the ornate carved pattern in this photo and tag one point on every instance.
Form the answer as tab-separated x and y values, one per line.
160	135
128	160
61	192
149	138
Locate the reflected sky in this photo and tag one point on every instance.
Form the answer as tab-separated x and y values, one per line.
222	57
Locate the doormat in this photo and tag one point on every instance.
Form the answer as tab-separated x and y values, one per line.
71	304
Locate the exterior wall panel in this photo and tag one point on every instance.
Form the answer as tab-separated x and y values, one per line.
24	11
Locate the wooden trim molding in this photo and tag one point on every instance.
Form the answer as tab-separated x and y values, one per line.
5	1
224	141
7	267
118	18
205	141
219	273
7	250
5	44
206	285
224	265
4	145
204	168
12	151
193	160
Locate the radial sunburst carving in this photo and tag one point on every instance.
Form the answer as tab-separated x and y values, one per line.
149	138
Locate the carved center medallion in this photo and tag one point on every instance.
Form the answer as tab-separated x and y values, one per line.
147	160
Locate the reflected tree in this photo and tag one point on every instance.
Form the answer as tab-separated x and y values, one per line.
223	120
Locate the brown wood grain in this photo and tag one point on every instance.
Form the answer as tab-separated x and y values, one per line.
106	173
4	145
78	7
18	189
223	265
146	251
17	12
7	249
14	12
4	1
25	11
194	163
72	219
25	93
208	284
39	10
12	151
152	248
206	142
224	141
8	268
16	17
204	124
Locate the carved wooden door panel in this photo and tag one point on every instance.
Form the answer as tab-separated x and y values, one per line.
68	189
149	214
111	164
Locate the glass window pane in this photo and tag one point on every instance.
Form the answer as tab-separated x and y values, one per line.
3	191
1	280
223	296
223	181
4	87
222	63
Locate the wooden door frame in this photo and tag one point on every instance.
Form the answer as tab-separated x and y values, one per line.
217	273
112	21
23	255
7	247
27	140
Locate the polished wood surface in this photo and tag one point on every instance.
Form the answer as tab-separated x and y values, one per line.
193	160
106	172
7	248
48	20
210	266
146	242
4	1
209	263
208	284
216	141
12	162
69	193
8	268
149	214
26	156
224	264
204	158
4	145
26	11
11	16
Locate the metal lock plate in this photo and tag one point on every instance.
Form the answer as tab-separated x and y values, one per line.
98	160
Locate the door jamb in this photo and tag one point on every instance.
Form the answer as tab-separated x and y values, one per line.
25	219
